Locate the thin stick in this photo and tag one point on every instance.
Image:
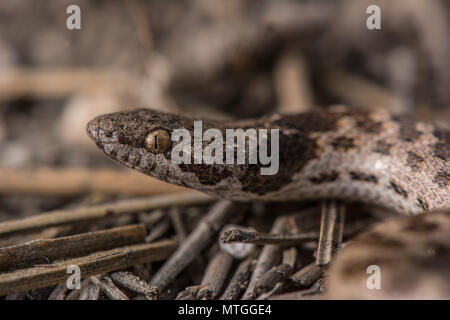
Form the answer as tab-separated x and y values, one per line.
83	214
358	91
215	275
269	256
16	296
316	288
307	275
142	24
277	274
180	229
109	288
290	257
59	292
327	226
238	235
239	281
75	293
175	216
190	293
57	83
150	219
96	263
201	237
277	288
45	233
131	282
331	230
292	83
158	230
338	232
45	250
75	181
90	292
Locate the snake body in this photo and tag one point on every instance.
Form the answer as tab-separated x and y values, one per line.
372	157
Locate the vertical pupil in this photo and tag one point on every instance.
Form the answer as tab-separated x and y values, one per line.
156	142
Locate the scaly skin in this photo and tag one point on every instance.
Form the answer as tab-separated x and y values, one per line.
377	158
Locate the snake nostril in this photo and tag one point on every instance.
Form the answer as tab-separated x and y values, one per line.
106	136
92	131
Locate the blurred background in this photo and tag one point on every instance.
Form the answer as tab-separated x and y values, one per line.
220	59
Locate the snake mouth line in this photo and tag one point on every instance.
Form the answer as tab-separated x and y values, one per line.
100	136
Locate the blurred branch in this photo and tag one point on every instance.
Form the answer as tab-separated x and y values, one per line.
137	10
292	83
360	92
108	210
44	250
79	180
236	235
56	83
200	238
96	263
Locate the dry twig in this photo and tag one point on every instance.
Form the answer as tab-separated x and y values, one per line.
215	275
131	282
270	255
109	288
277	274
331	230
239	281
292	83
96	263
83	214
189	249
307	275
238	235
79	181
56	83
360	92
158	230
45	250
90	292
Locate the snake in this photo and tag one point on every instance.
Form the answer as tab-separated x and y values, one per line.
392	161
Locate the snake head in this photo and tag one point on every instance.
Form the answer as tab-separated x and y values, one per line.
141	140
153	143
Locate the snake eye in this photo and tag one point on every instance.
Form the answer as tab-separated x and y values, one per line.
158	141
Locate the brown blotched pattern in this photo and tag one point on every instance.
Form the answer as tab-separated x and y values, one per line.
325	177
383	148
398	189
414	160
442	179
343	144
407	128
393	162
363	177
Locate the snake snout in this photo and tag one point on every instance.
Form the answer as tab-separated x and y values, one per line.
100	132
92	130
